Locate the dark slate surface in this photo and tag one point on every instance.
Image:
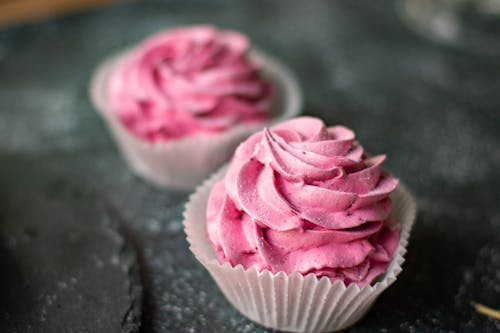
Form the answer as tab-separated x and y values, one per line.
433	110
65	267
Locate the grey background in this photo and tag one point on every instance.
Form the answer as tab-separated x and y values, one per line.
432	110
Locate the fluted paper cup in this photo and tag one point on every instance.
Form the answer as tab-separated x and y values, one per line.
184	163
293	302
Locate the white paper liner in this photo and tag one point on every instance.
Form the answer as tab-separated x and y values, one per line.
185	163
293	302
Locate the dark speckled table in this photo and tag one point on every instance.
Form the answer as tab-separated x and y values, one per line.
433	110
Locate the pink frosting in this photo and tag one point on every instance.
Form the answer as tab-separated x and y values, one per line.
188	81
301	197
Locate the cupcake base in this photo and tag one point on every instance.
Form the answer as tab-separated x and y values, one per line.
184	163
293	302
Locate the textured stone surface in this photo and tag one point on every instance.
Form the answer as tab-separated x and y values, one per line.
65	266
433	110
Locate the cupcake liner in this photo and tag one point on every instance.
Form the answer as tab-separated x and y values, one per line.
184	163
293	302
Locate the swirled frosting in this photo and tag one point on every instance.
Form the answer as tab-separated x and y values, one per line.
188	81
302	197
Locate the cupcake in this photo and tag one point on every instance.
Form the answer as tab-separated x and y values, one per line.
304	229
181	101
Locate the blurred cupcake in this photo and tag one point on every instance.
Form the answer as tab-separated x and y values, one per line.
304	230
180	102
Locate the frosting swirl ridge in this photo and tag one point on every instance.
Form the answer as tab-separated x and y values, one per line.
188	81
303	197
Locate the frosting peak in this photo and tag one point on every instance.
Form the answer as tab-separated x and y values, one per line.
304	197
188	81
